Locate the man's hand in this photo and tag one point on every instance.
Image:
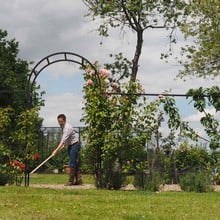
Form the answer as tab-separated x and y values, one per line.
59	148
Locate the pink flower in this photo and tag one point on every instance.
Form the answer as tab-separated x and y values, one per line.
115	85
89	82
106	81
91	73
104	73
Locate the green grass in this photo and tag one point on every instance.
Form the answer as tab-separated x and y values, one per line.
36	203
56	179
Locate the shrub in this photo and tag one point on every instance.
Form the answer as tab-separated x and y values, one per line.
147	181
113	177
3	179
4	156
196	182
189	158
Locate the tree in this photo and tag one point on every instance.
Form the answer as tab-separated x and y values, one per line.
138	16
14	74
125	111
203	28
19	123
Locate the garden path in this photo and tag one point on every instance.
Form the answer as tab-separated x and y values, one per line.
163	188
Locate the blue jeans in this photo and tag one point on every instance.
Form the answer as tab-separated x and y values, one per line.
73	152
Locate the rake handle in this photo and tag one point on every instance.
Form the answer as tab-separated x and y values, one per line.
34	170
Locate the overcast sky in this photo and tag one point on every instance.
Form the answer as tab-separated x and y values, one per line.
44	27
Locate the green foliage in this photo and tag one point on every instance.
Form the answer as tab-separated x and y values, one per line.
4	157
116	123
96	117
114	127
11	169
148	181
191	158
13	75
196	182
18	124
203	27
170	165
28	125
136	16
202	98
121	67
174	121
113	177
5	124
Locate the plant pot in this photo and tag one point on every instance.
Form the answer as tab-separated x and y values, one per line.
66	169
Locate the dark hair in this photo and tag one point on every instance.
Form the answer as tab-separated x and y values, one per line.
62	116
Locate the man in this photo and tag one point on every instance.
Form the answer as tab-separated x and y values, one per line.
69	139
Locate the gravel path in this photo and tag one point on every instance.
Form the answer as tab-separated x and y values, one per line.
163	188
61	186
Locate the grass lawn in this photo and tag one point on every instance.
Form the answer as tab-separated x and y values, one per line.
56	179
38	203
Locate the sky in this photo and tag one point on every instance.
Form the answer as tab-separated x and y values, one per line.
45	27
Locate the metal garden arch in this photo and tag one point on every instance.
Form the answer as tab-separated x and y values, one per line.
45	62
55	58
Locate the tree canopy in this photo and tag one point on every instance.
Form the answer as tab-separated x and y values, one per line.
202	26
13	74
137	15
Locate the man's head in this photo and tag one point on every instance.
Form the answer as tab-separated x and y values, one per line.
61	118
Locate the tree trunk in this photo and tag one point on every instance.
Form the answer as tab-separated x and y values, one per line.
137	54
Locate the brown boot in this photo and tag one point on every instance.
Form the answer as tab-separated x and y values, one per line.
78	177
71	177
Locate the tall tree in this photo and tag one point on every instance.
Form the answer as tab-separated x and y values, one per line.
13	74
22	123
137	16
203	28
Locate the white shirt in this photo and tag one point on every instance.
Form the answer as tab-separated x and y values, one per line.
69	135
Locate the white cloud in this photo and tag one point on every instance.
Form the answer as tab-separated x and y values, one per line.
66	103
60	69
194	121
196	117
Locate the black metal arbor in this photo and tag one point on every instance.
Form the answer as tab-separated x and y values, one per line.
40	66
55	58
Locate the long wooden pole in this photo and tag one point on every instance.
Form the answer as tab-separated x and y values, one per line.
41	164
